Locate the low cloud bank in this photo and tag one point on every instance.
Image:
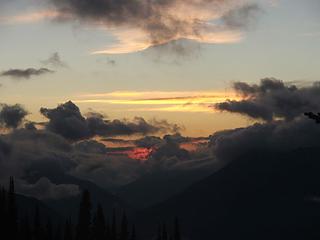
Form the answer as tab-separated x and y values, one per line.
284	127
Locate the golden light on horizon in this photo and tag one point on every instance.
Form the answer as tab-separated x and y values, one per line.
161	101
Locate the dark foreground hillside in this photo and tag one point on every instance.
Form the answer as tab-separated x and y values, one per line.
260	196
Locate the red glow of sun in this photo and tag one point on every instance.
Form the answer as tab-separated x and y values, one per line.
141	154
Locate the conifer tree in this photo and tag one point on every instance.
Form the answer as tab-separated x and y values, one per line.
113	234
12	211
48	230
67	235
124	234
84	218
3	211
25	229
37	229
108	231
58	232
176	233
99	225
159	234
133	233
164	232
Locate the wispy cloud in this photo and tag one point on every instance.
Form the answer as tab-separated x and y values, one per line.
30	17
55	61
129	40
139	25
25	73
160	101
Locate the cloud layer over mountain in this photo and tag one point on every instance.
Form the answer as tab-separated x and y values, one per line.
66	145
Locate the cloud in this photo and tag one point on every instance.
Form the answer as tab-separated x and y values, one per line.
272	99
277	136
30	153
240	18
108	61
44	189
68	121
165	101
123	127
138	25
148	142
36	157
285	128
11	116
25	73
170	149
55	61
29	17
90	146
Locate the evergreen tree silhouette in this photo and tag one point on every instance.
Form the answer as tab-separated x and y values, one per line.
3	211
133	233
99	224
67	235
84	218
108	231
58	232
12	211
25	229
164	232
176	233
98	230
159	233
124	234
37	229
113	234
48	230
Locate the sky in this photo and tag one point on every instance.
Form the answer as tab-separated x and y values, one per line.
133	66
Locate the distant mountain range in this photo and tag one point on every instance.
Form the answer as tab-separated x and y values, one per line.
156	187
68	207
258	196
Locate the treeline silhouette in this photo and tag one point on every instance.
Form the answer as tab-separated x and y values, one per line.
88	227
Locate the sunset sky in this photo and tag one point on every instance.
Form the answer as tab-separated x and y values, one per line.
123	68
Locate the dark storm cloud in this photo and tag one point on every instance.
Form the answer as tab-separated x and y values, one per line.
273	99
282	107
171	149
37	156
35	152
157	18
11	116
148	142
138	125
68	121
25	73
91	146
273	137
55	61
